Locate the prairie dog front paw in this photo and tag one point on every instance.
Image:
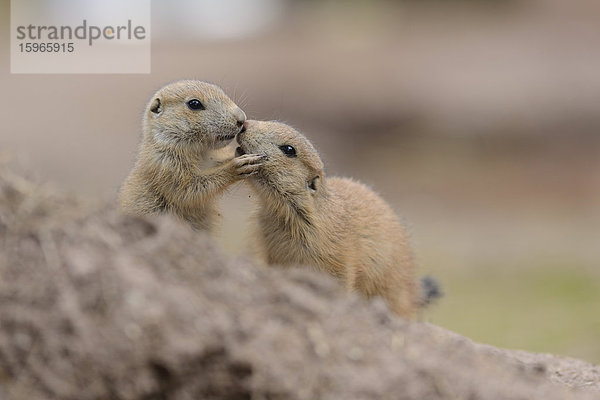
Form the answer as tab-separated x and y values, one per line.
247	165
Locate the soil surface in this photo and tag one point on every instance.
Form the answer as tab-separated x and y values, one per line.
95	305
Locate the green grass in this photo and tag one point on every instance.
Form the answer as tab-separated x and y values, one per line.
553	309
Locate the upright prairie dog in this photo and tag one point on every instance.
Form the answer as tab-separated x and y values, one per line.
336	224
180	168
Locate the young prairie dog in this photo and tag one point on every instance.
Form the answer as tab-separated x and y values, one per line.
180	166
336	224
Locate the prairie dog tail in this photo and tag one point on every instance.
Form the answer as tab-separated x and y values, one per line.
429	290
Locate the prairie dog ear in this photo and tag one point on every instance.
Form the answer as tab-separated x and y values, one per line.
314	184
156	106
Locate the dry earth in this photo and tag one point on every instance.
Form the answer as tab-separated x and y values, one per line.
94	305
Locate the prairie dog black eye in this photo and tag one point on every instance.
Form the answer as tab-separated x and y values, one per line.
194	104
288	150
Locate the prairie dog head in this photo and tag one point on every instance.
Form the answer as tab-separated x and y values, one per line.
188	111
292	166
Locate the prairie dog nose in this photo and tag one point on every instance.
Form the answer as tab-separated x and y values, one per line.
242	132
240	116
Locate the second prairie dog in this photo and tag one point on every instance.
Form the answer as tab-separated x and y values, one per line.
336	224
180	166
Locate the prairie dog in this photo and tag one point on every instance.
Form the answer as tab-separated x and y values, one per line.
335	224
181	167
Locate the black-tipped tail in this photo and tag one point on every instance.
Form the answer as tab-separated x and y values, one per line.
430	290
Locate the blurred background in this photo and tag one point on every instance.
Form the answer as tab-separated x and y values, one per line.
478	120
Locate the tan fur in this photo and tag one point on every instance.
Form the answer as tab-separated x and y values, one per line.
336	224
180	166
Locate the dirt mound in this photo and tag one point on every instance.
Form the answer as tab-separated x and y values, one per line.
102	306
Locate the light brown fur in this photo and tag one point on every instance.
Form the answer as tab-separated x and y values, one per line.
336	224
180	166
